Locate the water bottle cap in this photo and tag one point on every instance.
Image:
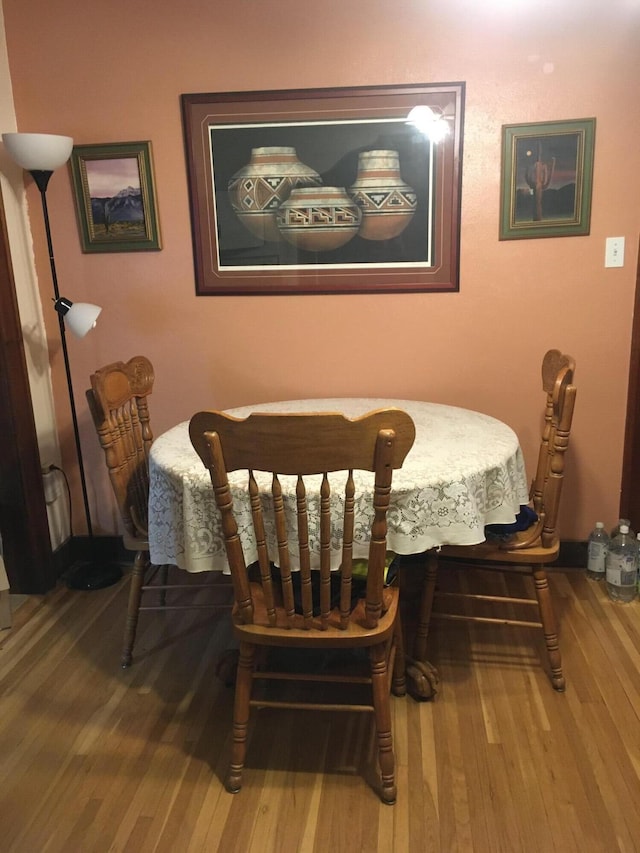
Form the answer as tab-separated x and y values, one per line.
599	524
624	528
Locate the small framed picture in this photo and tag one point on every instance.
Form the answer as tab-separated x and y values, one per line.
547	176
115	197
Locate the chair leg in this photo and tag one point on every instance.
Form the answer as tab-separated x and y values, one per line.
399	679
548	620
164	576
244	683
426	605
382	712
140	566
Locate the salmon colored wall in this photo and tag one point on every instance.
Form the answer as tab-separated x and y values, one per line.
113	72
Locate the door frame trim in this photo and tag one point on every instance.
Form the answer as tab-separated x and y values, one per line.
24	524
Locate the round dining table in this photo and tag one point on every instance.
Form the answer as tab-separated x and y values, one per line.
465	471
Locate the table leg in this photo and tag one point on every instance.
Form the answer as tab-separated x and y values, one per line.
426	604
422	677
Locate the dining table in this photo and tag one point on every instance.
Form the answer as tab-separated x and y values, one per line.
465	471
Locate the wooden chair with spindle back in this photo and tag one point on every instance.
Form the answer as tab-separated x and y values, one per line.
267	448
118	404
525	551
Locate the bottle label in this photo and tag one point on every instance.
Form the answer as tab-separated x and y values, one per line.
597	556
621	570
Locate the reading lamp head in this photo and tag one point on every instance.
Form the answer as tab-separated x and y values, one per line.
79	317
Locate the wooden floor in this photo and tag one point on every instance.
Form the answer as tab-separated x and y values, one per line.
96	759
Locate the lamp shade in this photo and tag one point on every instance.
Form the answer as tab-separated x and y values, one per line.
79	317
38	151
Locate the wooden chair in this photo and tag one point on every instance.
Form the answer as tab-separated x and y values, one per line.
527	551
265	615
118	403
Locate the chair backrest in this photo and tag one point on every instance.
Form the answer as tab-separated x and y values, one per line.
118	404
557	383
303	445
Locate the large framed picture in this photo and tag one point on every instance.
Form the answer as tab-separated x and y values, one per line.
325	190
547	176
115	197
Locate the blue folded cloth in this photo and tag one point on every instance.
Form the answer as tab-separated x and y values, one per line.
524	519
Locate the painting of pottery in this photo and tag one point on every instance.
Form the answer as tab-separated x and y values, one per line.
330	190
298	194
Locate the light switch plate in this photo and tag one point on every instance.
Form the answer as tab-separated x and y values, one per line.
614	252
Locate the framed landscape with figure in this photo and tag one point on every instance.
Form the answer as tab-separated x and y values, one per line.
325	190
547	176
115	197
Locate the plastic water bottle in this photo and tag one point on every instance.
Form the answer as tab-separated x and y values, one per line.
597	552
622	567
616	529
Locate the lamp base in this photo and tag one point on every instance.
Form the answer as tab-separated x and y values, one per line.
89	575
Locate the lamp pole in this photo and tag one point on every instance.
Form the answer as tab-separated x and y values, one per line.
41	179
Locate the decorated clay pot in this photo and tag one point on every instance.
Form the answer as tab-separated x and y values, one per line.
387	203
257	190
319	218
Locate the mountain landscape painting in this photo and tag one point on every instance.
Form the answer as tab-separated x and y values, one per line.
115	197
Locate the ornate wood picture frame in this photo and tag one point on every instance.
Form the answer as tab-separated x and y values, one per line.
547	176
325	190
115	197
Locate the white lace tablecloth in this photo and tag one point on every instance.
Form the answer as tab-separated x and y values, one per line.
465	470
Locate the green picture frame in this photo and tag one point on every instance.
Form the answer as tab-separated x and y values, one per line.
546	179
115	197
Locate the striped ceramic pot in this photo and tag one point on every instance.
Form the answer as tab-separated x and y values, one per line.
387	203
259	188
319	219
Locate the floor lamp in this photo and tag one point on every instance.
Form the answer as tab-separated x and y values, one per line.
40	154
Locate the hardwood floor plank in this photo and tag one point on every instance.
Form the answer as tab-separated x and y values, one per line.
450	736
207	833
424	802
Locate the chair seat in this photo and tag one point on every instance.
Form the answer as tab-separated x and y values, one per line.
134	543
504	552
354	634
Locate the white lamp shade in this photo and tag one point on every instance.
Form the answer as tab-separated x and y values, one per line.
81	318
38	151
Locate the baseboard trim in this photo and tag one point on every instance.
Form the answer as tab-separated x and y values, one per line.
573	555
